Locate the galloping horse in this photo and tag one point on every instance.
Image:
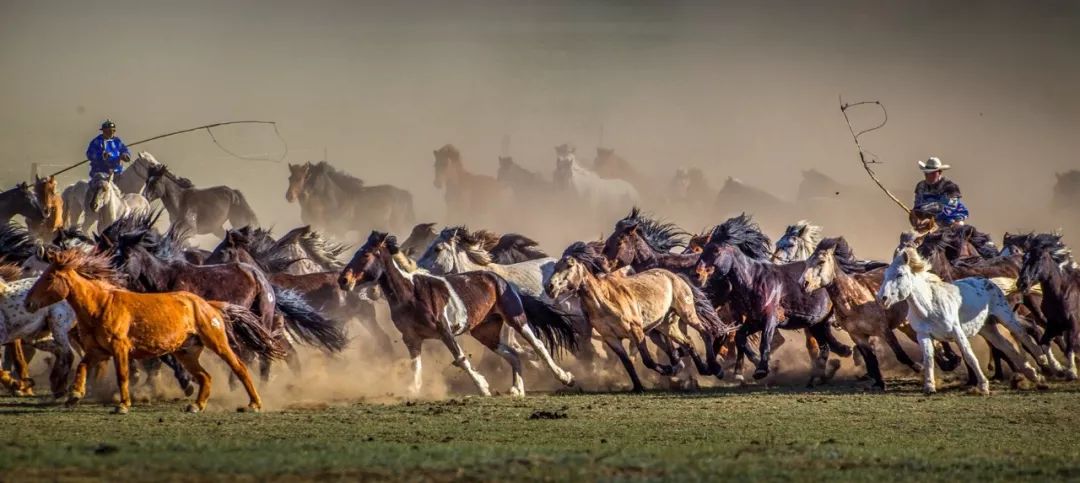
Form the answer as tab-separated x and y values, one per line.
197	211
118	324
17	323
338	202
940	310
20	200
430	307
609	165
604	196
1043	260
630	306
797	242
131	180
469	197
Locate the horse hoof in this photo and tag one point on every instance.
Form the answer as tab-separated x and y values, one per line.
917	368
72	401
248	409
189	390
928	391
191	408
568	380
120	410
761	373
878	387
979	391
638	390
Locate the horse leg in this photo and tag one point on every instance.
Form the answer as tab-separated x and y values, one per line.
490	334
1004	313
120	356
616	346
189	359
946	359
216	340
982	384
1070	354
997	359
899	352
646	357
182	376
772	322
17	358
462	361
821	366
998	341
521	326
742	349
926	343
414	347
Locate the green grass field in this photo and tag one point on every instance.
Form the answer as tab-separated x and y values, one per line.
756	433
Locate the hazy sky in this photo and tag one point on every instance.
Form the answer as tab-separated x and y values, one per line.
742	90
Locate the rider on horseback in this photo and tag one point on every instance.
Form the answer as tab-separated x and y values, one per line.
938	196
106	151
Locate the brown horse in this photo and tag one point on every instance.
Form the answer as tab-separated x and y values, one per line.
198	210
338	202
480	303
52	207
609	165
118	324
469	197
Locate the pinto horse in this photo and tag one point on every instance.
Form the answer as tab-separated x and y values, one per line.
1042	264
431	307
118	324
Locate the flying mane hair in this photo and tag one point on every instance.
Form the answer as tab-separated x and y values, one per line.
9	272
741	232
1050	242
662	237
845	256
589	255
16	243
344	180
89	265
804	230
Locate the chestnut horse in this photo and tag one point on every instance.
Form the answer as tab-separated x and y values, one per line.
429	307
52	207
469	197
118	324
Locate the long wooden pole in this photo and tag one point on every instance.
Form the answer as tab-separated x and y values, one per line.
862	153
155	138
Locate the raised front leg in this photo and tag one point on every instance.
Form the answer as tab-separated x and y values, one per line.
462	361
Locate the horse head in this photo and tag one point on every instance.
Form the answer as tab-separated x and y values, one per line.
797	242
447	165
419	239
99	191
1043	255
901	276
154	187
46	194
822	265
441	256
579	261
369	262
298	176
717	260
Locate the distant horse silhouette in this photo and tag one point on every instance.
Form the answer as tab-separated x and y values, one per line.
337	202
198	211
603	196
468	196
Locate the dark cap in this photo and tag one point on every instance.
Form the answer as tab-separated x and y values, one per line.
108	125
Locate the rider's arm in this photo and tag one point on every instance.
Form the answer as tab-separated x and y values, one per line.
93	151
124	152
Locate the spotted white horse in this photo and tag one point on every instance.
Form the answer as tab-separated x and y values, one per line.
956	311
46	329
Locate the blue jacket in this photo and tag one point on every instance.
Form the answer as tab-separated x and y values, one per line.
99	145
943	200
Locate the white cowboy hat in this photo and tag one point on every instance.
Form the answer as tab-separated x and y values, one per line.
932	164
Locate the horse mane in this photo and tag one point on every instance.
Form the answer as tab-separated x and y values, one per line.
485	239
323	252
131	223
344	180
982	242
163	171
513	242
10	272
845	256
471	243
92	266
588	254
148	157
743	233
449	151
1049	243
16	243
662	237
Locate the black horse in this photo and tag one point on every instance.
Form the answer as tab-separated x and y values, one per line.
1043	264
20	200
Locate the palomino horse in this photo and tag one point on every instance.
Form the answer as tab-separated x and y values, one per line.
118	324
52	206
337	202
430	307
105	203
852	288
623	307
20	200
198	210
940	310
469	197
602	196
17	323
1043	259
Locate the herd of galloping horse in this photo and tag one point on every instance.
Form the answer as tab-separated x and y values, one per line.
96	275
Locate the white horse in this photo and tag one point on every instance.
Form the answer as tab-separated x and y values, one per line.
797	243
943	311
105	203
602	195
452	253
36	327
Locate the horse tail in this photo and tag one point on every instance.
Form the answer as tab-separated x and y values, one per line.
240	212
306	324
245	331
705	310
555	328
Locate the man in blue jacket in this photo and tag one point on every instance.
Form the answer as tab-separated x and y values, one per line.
939	196
106	151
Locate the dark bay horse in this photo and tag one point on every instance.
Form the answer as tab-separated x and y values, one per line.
480	303
1042	264
197	210
21	200
766	296
337	202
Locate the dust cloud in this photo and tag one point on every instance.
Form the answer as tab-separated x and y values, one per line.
746	91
